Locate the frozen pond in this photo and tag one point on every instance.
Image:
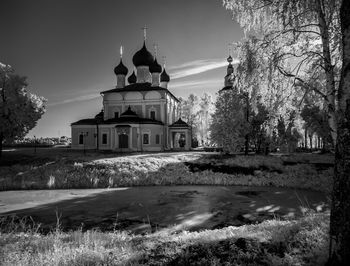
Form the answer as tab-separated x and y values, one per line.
148	209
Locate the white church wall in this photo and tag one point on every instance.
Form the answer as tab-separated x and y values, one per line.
152	95
133	95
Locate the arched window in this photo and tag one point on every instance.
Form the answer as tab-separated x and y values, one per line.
145	138
152	113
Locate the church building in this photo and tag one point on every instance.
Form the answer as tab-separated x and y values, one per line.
139	114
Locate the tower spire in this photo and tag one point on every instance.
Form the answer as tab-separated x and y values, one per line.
230	49
121	51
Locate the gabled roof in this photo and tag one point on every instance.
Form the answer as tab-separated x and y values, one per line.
120	120
180	123
88	121
139	87
132	120
128	117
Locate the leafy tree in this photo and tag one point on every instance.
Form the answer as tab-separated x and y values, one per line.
300	39
229	126
316	122
308	42
258	128
189	111
259	82
196	111
206	107
19	109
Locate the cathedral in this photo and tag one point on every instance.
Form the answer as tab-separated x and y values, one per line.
139	114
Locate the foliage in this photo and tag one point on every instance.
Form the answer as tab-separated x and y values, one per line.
19	109
316	122
229	125
196	111
299	40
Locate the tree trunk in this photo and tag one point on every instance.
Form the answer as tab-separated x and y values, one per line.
329	70
246	144
305	137
310	137
1	140
340	212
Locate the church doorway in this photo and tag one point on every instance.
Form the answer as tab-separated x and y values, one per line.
123	141
179	140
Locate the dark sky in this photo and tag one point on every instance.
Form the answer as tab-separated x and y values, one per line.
68	48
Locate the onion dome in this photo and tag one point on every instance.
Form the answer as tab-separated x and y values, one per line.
142	57
229	59
132	78
155	67
164	77
121	69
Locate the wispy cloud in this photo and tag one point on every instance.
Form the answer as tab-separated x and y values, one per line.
196	67
192	84
76	99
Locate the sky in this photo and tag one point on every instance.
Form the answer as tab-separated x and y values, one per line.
68	49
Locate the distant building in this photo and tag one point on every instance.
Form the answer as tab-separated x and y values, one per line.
230	78
141	116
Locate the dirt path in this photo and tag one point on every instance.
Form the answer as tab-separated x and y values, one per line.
145	209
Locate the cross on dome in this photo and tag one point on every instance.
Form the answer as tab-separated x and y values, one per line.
164	60
144	32
155	49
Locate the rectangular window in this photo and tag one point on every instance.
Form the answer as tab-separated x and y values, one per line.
157	139
104	138
116	114
153	115
145	138
81	139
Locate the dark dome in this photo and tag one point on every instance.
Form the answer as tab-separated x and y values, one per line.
164	77
142	57
155	67
121	69
128	113
229	59
132	78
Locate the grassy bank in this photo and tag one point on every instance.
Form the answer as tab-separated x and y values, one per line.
101	171
274	242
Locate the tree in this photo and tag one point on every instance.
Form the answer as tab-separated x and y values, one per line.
258	128
316	34
340	210
19	109
229	126
300	39
206	107
316	122
260	83
189	111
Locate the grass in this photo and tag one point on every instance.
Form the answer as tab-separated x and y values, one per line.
70	169
273	242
